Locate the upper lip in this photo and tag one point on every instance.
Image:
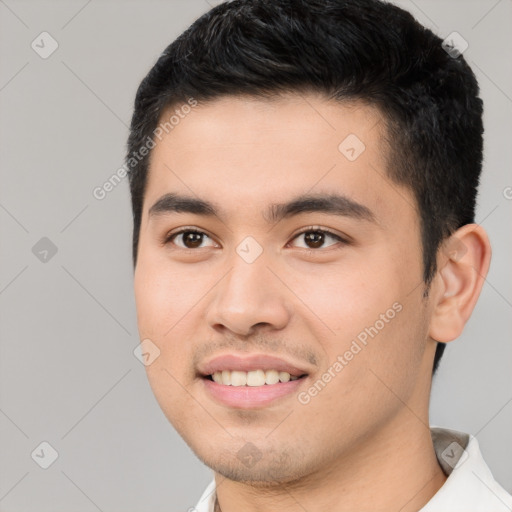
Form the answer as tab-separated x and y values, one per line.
247	363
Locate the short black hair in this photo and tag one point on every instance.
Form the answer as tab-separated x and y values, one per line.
367	50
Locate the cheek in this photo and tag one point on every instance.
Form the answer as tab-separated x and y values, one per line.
373	317
165	293
344	296
369	375
158	313
162	306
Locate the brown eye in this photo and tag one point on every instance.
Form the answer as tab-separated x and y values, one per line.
192	239
188	239
316	238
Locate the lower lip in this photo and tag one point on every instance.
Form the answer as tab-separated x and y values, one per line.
250	397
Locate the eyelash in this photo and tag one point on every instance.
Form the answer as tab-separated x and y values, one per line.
169	237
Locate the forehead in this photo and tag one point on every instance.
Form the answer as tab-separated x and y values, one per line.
285	121
243	153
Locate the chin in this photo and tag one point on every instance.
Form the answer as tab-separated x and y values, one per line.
266	469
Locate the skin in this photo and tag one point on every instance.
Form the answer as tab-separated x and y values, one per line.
363	442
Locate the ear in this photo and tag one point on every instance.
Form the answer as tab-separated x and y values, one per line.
463	263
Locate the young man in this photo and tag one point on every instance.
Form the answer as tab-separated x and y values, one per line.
303	179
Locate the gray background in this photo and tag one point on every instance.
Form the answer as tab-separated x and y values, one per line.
68	331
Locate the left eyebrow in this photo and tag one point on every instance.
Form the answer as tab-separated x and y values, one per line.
334	204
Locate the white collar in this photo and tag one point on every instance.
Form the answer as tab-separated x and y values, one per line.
470	486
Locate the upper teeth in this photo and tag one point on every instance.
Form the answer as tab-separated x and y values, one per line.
252	378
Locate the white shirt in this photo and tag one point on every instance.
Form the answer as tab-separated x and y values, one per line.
470	486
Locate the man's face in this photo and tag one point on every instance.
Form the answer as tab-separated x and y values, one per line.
333	297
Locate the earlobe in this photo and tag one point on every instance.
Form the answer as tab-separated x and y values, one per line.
463	263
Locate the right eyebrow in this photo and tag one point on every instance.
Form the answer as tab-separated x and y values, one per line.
181	204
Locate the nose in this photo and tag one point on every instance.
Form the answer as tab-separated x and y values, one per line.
250	295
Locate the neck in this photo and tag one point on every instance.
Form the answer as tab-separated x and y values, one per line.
396	469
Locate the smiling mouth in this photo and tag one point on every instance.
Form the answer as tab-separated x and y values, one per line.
253	378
